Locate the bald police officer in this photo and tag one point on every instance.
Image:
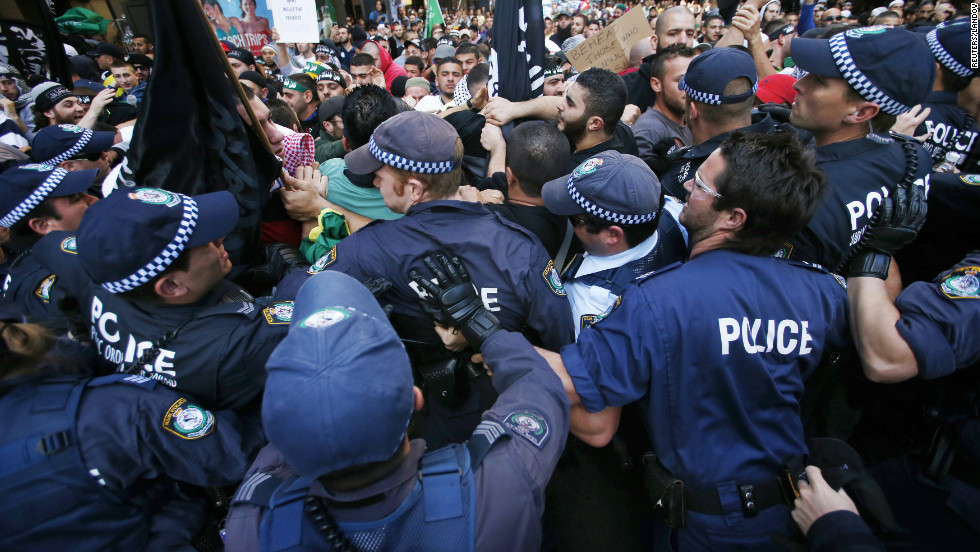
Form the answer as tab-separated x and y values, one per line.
348	477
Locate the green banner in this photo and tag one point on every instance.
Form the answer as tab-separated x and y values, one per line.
433	16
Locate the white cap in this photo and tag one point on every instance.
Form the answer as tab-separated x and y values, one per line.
899	3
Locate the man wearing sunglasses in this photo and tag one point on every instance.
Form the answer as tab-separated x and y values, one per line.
830	17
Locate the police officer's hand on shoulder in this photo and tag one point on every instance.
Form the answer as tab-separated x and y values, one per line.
453	301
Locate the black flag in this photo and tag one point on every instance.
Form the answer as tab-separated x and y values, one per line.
517	56
32	44
189	137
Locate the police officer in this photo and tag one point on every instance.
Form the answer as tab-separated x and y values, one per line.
849	111
927	340
614	203
721	389
91	463
35	200
147	268
415	158
351	474
951	128
720	86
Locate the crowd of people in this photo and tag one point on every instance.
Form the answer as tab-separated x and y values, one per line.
724	299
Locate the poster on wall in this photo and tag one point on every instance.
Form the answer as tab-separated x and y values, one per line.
244	23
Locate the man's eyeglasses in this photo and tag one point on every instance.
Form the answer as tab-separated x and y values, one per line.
704	187
832	18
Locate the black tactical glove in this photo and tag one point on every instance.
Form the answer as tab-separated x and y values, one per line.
280	260
894	225
455	298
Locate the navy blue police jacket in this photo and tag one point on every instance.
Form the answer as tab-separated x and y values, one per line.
940	319
89	464
861	173
214	350
32	288
716	349
526	427
512	271
952	128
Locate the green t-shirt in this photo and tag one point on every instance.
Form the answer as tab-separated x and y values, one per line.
366	202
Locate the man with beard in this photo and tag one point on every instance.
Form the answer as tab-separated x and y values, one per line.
589	115
54	105
663	126
14	89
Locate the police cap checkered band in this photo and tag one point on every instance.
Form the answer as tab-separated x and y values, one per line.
945	57
83	139
164	258
858	80
717	99
37	196
399	162
603	213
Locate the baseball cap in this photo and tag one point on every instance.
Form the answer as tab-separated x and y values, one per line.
23	188
48	94
891	67
777	88
339	387
950	45
140	59
56	143
132	236
106	49
710	72
612	186
253	77
444	51
329	108
332	76
242	55
412	141
896	4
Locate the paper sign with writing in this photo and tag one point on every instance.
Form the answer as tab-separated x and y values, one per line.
296	20
610	47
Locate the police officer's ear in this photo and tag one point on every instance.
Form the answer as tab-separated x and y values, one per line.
862	113
169	287
415	189
41	225
734	220
418	399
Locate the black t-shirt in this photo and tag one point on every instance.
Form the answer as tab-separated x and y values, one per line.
622	141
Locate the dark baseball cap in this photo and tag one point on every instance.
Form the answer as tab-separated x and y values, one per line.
612	186
23	188
329	108
413	141
132	236
950	44
242	55
56	143
253	77
709	73
140	59
339	388
893	68
106	49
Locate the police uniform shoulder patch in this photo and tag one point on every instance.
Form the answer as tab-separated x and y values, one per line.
785	252
588	167
587	320
324	261
529	425
550	275
962	283
44	290
840	280
971	179
280	312
68	245
188	421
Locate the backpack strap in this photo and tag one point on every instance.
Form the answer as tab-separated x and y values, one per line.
440	473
